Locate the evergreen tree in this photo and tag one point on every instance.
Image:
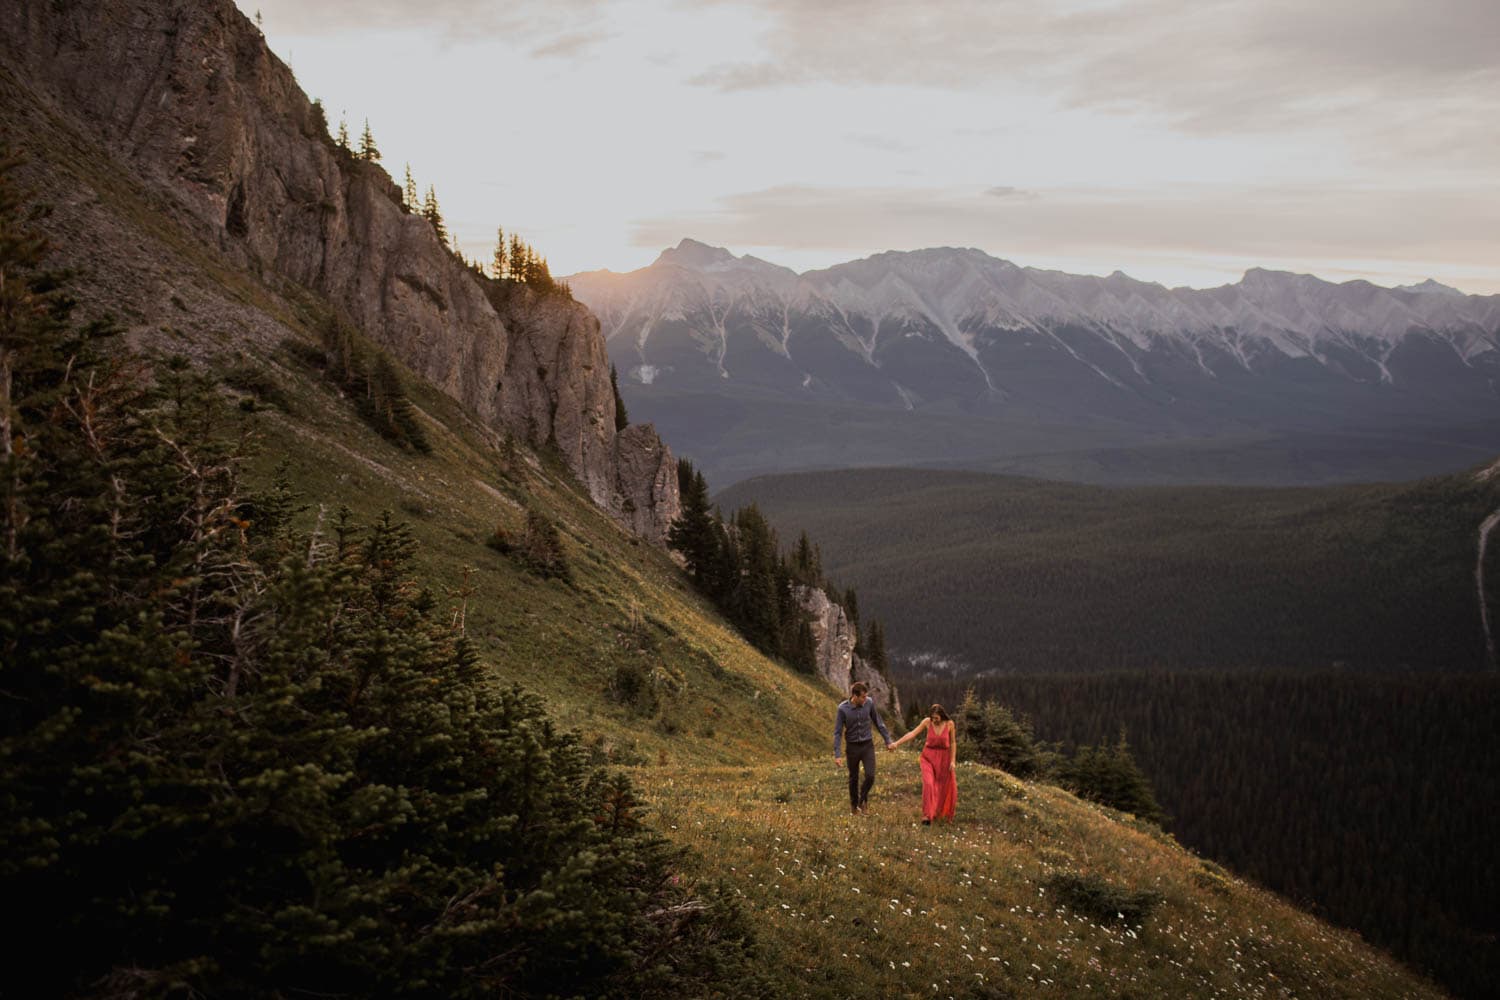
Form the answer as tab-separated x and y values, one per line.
695	532
622	419
433	213
500	254
409	191
1109	775
237	760
368	151
516	259
807	563
343	137
755	604
875	654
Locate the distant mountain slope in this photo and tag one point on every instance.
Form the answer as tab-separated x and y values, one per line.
1019	575
1024	361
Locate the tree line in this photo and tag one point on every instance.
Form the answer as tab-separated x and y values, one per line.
738	563
513	259
1368	798
243	752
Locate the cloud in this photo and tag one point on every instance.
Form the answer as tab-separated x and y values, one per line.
1007	191
1206	66
453	19
571	45
1265	225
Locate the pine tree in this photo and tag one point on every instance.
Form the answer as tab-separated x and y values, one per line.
368	151
622	419
806	562
500	254
433	213
875	654
755	602
409	191
343	137
518	255
695	532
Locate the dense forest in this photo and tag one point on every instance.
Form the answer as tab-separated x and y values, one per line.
738	563
1026	576
1371	799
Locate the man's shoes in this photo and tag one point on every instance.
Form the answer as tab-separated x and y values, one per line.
856	810
860	810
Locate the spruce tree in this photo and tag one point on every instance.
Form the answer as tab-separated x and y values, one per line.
343	137
695	532
875	654
622	419
433	213
368	151
755	603
500	254
409	191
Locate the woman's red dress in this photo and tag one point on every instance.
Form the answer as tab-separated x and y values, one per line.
939	783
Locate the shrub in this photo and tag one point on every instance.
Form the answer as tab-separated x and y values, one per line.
1093	897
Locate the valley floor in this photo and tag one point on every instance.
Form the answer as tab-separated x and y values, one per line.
879	905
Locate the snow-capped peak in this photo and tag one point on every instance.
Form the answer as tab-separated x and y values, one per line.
1430	287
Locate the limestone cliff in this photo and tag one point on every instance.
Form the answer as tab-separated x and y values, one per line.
187	96
838	664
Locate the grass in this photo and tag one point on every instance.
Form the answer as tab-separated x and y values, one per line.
972	909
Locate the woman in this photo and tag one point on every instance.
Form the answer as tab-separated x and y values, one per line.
939	754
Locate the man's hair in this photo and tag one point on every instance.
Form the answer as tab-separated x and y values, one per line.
858	687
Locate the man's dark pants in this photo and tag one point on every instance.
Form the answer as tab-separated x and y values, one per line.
854	754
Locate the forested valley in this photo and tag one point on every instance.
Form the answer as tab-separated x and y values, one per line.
999	573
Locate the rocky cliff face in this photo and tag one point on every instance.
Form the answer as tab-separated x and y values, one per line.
837	662
186	94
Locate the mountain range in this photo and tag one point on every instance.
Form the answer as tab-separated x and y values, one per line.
954	357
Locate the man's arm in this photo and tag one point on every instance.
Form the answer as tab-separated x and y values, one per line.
875	718
838	729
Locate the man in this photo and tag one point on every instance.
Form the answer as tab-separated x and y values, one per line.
853	722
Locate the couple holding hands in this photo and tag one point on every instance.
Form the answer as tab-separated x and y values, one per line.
856	720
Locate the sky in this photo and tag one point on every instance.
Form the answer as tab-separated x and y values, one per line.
1180	141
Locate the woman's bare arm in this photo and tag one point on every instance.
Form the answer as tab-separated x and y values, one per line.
921	726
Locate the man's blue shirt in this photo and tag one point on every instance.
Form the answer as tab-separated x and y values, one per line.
854	724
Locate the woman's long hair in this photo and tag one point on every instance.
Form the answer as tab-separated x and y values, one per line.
940	711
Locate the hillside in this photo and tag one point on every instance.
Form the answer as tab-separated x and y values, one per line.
1019	575
727	747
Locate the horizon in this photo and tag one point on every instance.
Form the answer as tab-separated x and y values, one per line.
1180	143
1405	286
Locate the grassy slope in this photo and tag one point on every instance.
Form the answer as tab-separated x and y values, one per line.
963	910
734	756
1029	575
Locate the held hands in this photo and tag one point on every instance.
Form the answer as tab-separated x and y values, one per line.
891	746
838	762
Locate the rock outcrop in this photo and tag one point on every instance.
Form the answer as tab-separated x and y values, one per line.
188	97
838	664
